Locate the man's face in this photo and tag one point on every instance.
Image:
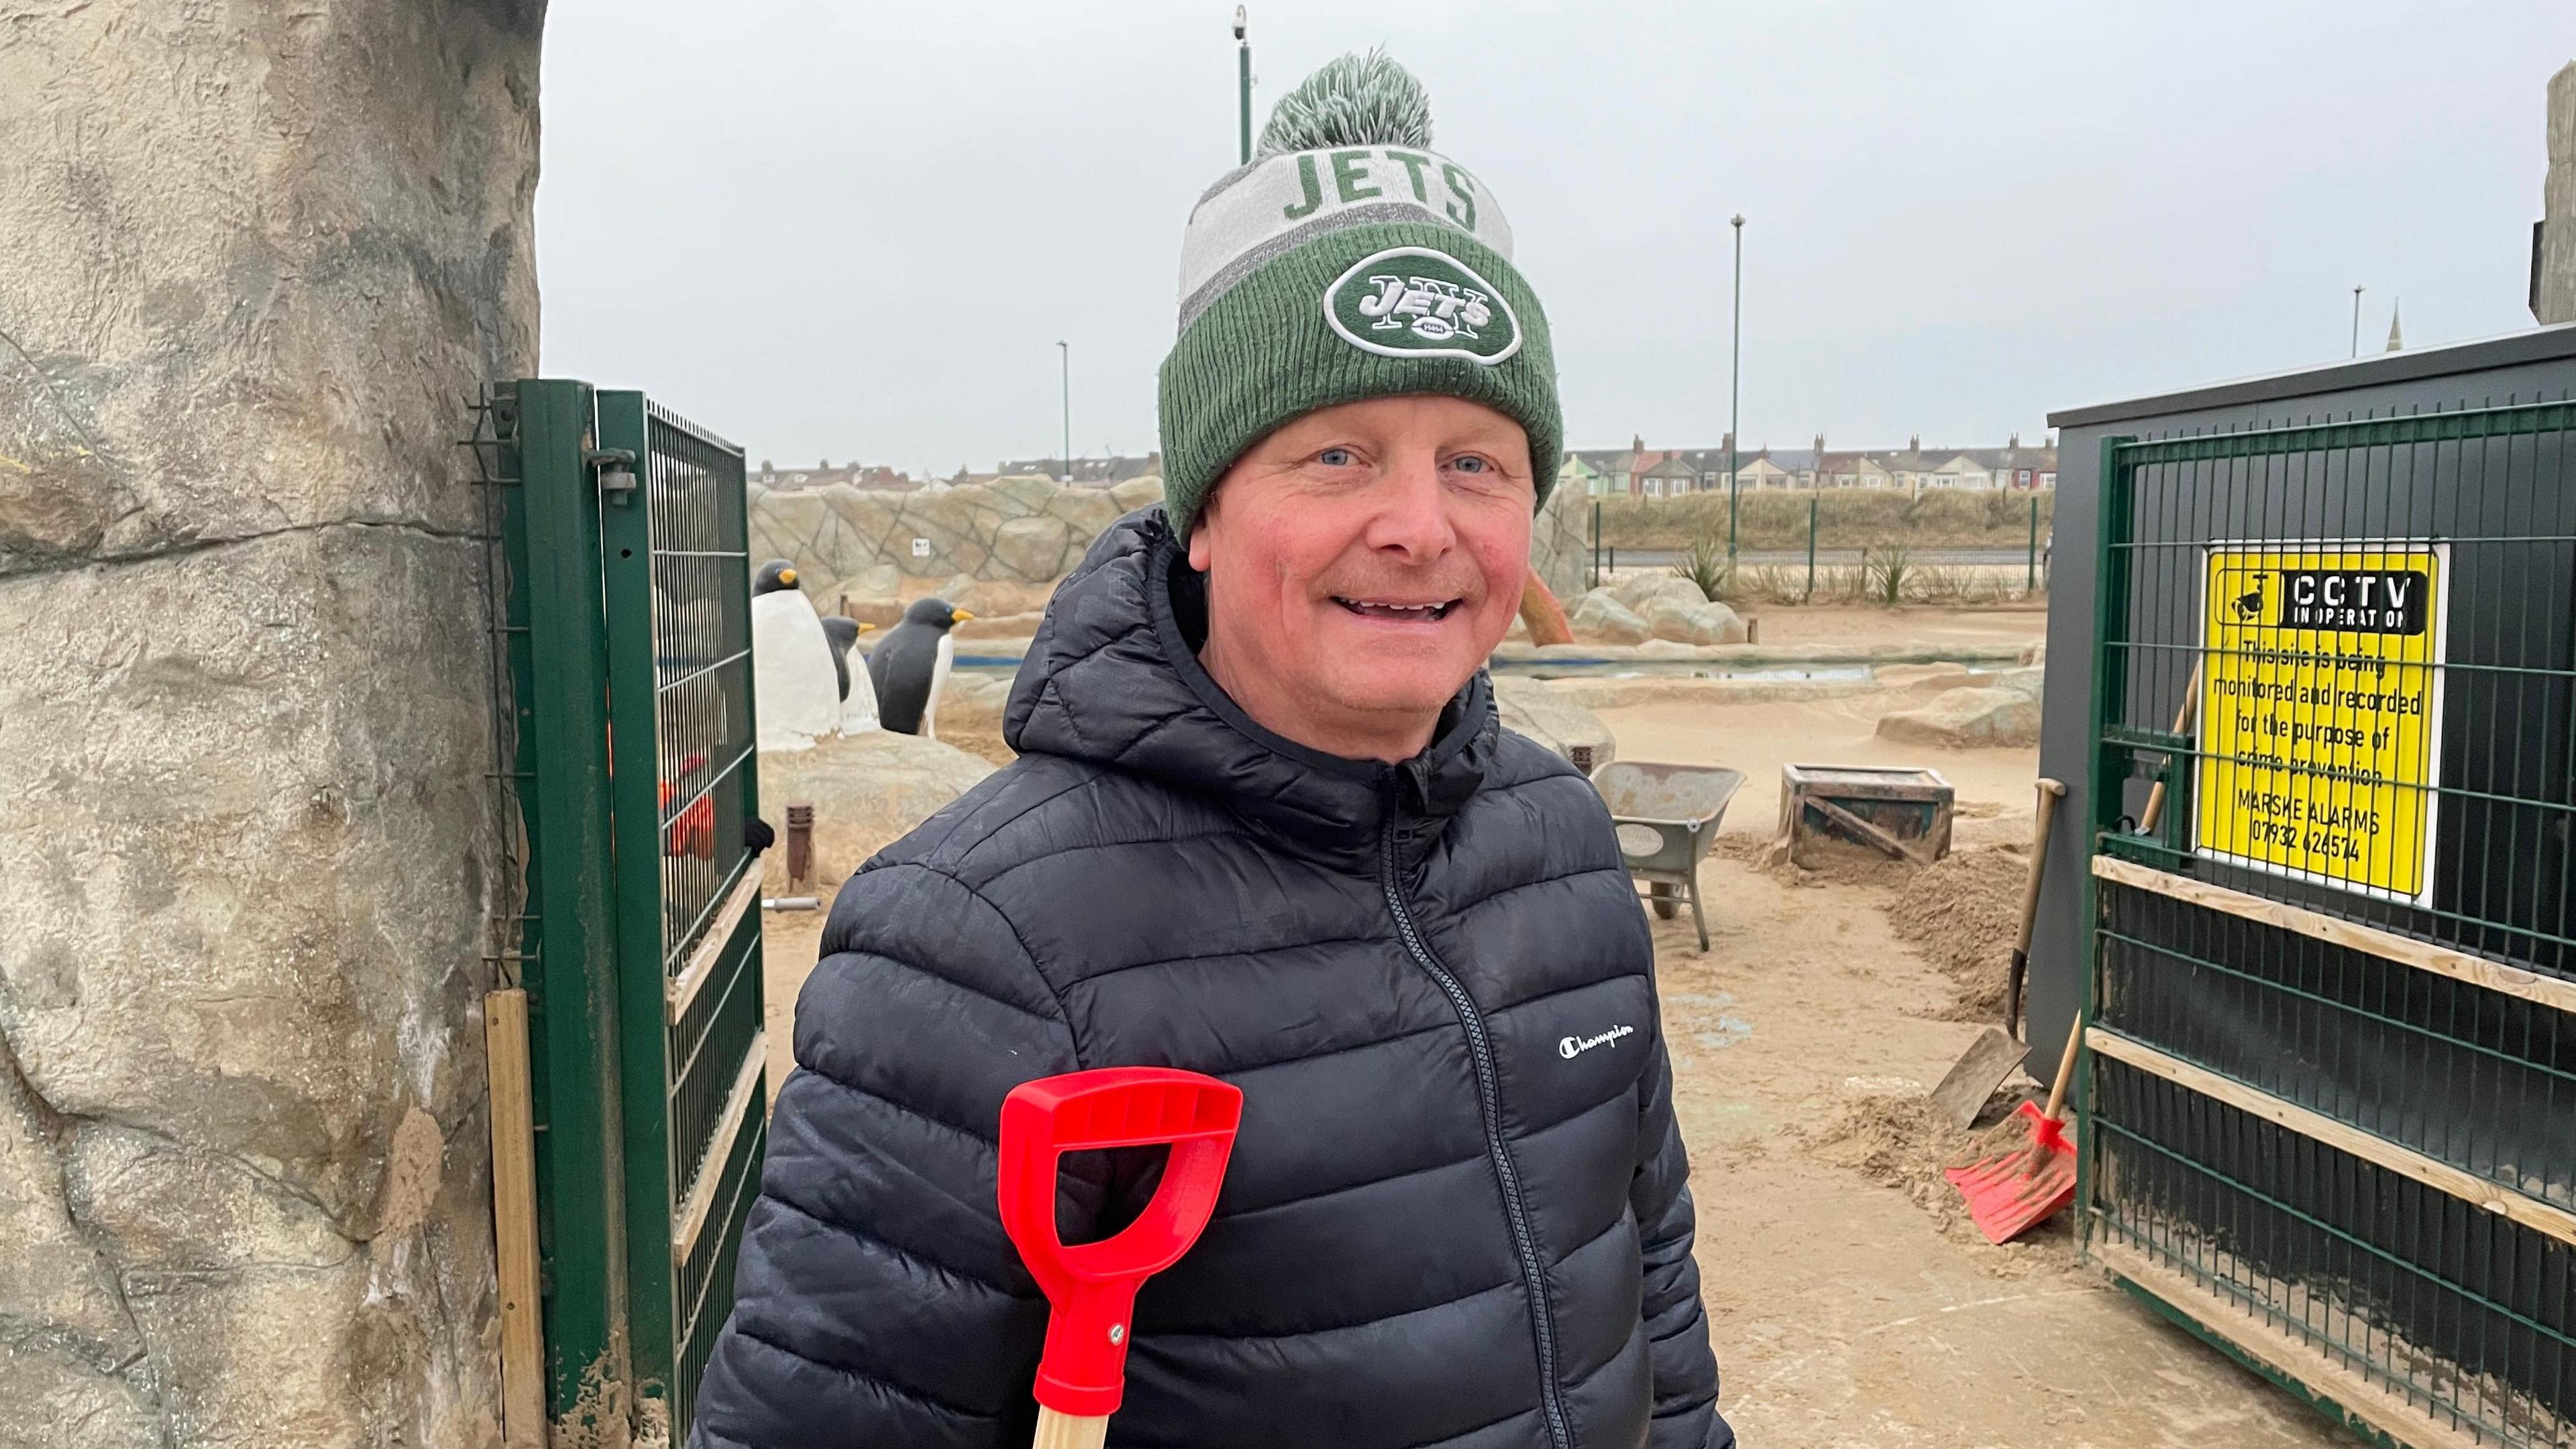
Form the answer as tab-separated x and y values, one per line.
1362	562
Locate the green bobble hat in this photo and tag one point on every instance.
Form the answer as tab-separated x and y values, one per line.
1348	260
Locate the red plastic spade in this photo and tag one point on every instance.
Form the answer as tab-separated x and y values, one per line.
2012	1192
1092	1286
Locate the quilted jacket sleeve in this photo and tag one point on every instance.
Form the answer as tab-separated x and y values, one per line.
878	1301
1685	1413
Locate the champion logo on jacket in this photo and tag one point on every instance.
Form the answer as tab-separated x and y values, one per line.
1575	1046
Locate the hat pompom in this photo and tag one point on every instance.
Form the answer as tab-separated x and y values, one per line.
1352	100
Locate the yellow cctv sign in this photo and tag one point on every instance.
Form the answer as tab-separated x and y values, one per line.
2321	712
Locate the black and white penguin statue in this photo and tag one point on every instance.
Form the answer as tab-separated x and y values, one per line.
791	663
911	667
859	700
843	635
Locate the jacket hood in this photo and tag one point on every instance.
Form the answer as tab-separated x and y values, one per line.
1113	678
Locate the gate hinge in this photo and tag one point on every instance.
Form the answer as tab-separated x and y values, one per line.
616	471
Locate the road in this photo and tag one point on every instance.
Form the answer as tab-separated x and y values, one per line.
1640	558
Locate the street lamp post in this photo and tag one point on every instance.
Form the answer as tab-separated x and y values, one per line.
1735	391
1066	353
2356	321
1243	81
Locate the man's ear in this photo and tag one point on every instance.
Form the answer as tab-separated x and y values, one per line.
1201	550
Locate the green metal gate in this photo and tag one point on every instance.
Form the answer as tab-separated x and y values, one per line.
2328	1120
627	616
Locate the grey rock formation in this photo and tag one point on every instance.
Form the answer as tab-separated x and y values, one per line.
1641	591
1021	530
258	257
867	791
1968	718
845	540
1683	622
1598	617
2554	290
1530	707
1560	543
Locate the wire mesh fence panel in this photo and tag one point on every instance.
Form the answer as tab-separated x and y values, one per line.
2336	976
2472	1077
2364	631
702	668
626	553
2463	1313
673	538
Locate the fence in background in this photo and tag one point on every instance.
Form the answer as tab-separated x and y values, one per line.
1862	549
2329	1113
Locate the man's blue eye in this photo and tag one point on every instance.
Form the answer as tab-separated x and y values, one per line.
1469	463
1334	457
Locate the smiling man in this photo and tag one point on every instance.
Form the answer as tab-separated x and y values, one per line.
1265	825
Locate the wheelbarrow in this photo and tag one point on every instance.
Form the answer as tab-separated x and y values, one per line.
1667	817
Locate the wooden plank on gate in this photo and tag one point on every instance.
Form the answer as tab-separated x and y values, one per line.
514	1219
2405	950
2532	1213
710	948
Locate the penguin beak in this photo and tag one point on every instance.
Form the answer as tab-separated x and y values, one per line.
864	628
961	615
787	576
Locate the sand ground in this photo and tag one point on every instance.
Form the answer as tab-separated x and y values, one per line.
1851	1303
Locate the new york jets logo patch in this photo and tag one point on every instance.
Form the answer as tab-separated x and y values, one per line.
1417	302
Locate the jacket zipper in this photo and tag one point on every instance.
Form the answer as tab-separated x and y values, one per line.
1480	1050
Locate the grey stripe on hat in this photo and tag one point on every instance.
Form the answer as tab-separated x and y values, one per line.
1256	211
1287	241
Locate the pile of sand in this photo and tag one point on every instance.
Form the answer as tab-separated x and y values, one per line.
1962	914
1820	862
1901	1140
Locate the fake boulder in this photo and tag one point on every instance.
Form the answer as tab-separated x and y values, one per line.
868	791
1600	618
1643	591
1530	707
1669	617
1964	719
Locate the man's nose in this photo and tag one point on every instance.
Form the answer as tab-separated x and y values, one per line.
1413	513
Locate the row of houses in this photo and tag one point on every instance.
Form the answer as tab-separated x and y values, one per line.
1087	472
1635	471
1638	471
824	475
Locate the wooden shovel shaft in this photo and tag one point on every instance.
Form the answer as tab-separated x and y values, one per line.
1069	1431
2049	793
2065	1067
2155	810
2146	825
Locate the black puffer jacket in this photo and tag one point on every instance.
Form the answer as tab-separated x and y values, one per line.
1456	1213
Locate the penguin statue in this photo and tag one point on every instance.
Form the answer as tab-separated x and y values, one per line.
791	663
911	666
775	575
858	705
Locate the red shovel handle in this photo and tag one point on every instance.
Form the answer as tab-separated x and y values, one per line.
1092	1287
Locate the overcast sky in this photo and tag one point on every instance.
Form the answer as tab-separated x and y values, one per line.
838	230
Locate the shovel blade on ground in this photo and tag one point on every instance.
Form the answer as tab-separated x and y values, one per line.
1982	1068
2012	1192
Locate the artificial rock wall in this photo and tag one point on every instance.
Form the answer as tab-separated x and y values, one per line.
257	257
1016	531
2554	286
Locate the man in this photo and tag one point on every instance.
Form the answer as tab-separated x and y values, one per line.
1265	826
